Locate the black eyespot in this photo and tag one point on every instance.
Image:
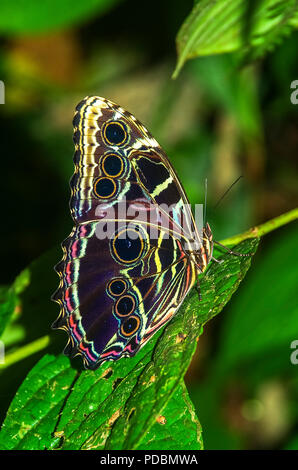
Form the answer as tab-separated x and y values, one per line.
128	245
112	165
117	287
125	305
104	188
114	133
130	326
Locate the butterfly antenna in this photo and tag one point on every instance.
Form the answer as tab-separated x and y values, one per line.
235	253
226	192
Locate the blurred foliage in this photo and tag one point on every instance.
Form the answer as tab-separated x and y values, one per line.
224	116
9	299
33	16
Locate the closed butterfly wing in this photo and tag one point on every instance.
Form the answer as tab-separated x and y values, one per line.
126	266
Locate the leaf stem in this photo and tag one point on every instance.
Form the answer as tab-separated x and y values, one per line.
25	351
263	229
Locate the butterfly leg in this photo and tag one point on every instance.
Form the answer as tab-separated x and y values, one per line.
219	261
235	253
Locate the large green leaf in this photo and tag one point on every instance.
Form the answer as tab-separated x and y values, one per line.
216	27
33	16
119	405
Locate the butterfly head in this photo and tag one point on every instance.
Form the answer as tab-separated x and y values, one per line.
203	254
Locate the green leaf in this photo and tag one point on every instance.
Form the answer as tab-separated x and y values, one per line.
216	27
33	16
117	406
36	404
178	428
9	298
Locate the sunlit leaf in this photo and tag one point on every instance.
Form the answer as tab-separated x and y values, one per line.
216	27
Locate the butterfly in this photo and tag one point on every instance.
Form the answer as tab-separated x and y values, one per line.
135	251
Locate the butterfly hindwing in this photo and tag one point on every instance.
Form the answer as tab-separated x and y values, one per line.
111	303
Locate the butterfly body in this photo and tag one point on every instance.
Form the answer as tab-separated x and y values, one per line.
135	251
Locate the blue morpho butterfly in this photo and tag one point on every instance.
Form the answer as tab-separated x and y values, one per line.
116	291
